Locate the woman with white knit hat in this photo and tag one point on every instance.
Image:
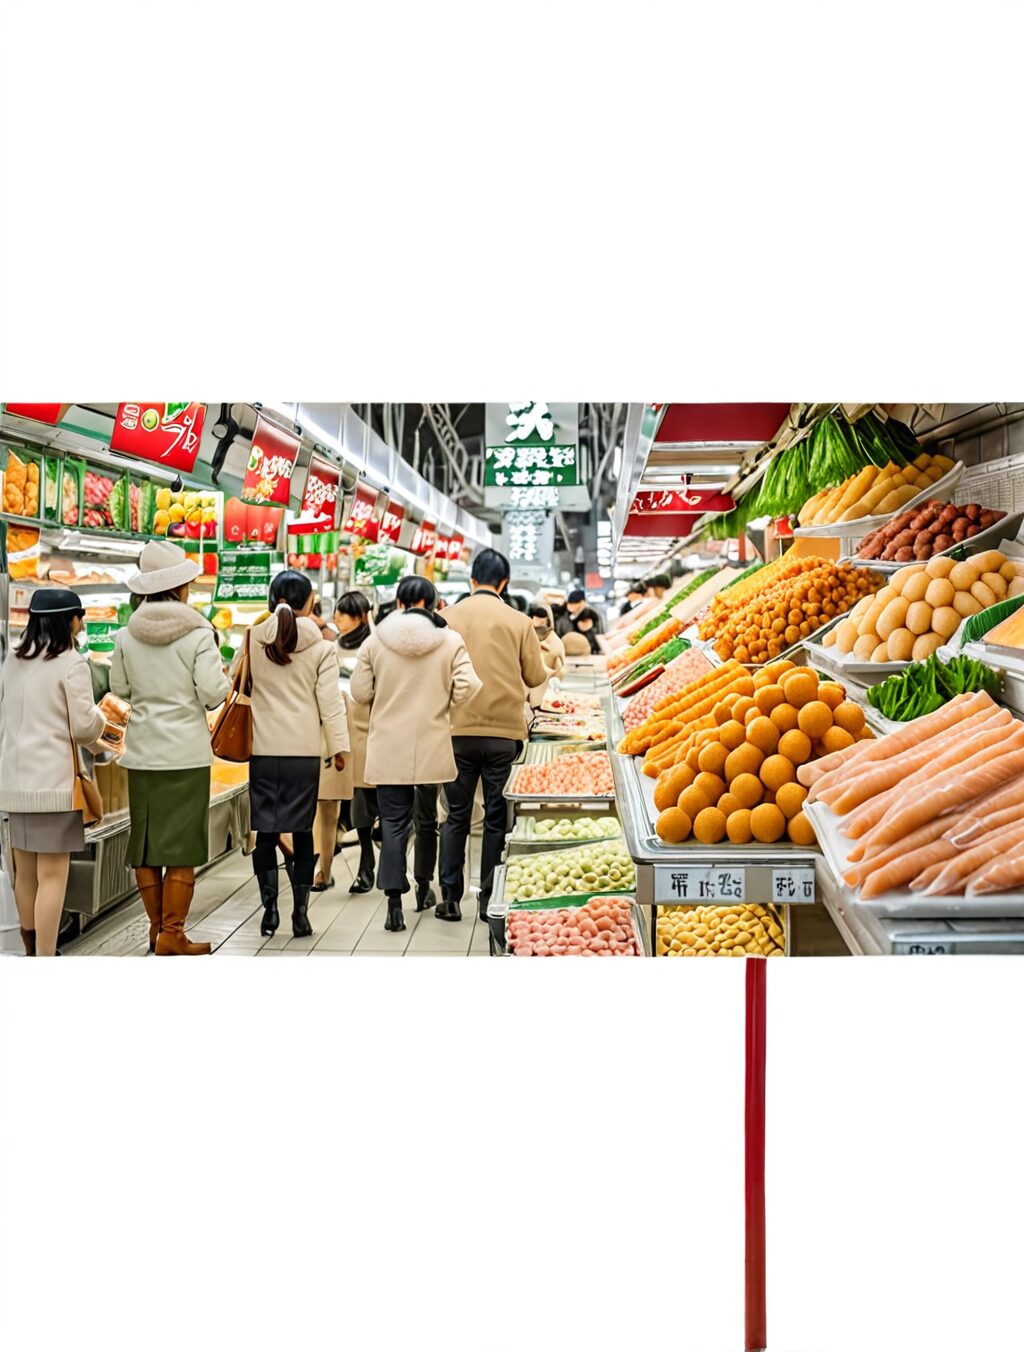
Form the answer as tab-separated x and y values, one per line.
167	664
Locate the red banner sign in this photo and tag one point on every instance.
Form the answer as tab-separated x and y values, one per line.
441	549
662	525
391	523
164	434
268	476
321	495
365	516
677	500
44	413
425	538
248	522
455	549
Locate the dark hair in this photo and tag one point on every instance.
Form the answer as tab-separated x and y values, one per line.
539	613
49	634
289	590
171	595
660	580
490	569
575	596
383	611
413	589
587	614
318	608
353	604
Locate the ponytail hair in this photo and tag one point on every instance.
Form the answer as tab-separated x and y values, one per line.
289	592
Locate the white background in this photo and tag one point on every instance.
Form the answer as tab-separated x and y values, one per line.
448	201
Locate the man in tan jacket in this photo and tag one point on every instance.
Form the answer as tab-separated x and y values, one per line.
488	730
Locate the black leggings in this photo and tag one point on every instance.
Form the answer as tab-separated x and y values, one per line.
264	856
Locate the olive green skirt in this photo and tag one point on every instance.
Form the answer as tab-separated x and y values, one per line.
170	815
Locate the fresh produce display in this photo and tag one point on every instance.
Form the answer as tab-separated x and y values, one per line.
665	613
587	773
803	595
21	486
923	606
561	703
188	515
832	452
654	640
668	651
105	503
561	873
874	490
735	777
719	931
929	528
72	481
937	806
51	489
601	928
926	686
686	668
576	828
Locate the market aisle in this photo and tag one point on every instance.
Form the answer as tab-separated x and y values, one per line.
226	912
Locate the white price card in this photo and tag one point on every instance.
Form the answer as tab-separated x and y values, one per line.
697	886
792	885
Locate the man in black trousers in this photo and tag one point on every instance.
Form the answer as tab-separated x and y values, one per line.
488	731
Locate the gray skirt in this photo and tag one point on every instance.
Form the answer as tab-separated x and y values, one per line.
47	832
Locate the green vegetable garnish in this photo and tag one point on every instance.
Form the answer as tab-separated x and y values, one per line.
927	686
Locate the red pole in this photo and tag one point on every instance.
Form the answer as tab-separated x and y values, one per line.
753	1096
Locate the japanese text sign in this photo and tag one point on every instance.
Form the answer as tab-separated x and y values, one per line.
163	434
268	476
322	493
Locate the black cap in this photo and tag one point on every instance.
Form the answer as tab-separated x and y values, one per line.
55	601
575	596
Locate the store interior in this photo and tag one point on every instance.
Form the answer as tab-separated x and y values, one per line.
799	735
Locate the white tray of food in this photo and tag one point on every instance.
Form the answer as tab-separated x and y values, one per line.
1002	533
861	526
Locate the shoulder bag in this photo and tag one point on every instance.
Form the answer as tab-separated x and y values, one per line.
231	738
86	797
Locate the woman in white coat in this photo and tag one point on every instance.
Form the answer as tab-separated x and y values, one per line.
47	712
411	672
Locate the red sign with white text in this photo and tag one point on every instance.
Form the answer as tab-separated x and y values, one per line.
364	517
455	549
671	512
44	413
441	549
321	495
268	476
164	434
391	523
425	538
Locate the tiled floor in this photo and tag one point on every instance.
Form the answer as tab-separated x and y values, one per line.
226	912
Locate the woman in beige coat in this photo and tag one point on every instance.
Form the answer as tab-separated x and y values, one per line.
297	714
412	671
552	649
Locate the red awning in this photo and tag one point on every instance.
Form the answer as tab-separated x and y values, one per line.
721	422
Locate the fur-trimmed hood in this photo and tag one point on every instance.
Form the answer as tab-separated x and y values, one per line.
411	633
159	623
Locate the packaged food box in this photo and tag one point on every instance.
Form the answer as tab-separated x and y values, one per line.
22	474
23	553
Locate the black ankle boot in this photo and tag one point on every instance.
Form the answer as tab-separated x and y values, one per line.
449	908
396	919
364	876
424	895
268	896
301	928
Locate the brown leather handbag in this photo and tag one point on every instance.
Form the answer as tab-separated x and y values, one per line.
86	797
231	738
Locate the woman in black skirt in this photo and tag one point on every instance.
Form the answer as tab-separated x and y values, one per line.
296	708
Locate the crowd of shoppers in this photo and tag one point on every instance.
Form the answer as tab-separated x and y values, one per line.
437	704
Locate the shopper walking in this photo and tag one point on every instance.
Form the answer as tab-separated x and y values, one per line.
488	731
413	672
167	665
296	713
46	713
352	620
636	593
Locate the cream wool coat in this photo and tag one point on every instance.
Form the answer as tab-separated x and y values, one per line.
167	665
292	704
412	674
37	768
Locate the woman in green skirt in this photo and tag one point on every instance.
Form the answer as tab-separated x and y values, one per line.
167	664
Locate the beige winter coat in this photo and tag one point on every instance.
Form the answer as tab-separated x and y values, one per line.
291	704
413	675
506	656
552	650
167	665
37	767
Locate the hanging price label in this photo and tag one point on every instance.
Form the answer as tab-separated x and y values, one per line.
697	885
793	884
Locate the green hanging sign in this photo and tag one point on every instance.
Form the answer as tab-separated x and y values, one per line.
243	575
380	566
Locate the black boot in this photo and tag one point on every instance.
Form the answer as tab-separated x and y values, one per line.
396	919
301	928
268	895
424	895
364	876
449	908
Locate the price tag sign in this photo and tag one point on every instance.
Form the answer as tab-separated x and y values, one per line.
792	885
697	886
919	949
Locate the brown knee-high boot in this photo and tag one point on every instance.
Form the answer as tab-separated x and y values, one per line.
150	882
179	884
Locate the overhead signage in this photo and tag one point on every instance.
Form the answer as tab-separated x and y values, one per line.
365	513
379	565
441	549
243	575
424	540
455	548
322	494
391	523
163	434
673	513
268	475
537	449
247	522
44	413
